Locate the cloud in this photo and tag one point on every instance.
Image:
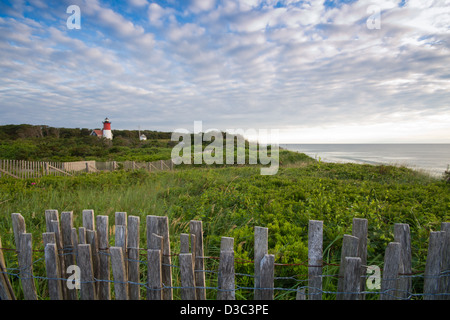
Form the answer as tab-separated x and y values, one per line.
197	6
184	32
158	15
138	3
300	65
155	13
117	28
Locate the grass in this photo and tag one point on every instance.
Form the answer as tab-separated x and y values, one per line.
231	200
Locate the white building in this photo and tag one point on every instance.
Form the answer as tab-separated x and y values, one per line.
105	132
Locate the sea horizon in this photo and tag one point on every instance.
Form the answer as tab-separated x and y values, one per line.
430	158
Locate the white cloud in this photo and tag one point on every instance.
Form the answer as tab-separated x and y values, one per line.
121	30
138	3
157	14
198	6
398	128
299	66
184	32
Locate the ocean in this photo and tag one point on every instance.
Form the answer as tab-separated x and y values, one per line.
429	158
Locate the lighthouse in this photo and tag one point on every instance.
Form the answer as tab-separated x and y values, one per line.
107	129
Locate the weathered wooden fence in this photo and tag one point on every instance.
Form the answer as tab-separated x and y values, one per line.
21	169
107	272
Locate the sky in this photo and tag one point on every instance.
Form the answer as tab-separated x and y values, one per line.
319	71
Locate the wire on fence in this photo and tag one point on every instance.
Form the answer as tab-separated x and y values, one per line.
318	291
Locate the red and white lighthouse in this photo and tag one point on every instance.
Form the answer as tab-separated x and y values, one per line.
107	133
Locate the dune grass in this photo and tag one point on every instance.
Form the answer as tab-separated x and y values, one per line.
231	200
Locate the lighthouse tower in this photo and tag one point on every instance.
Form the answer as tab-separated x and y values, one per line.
107	129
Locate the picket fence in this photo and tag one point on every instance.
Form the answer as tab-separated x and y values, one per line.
87	249
21	169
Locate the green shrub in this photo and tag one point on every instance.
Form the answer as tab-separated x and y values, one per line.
232	200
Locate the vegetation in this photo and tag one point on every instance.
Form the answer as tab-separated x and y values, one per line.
447	175
231	200
43	143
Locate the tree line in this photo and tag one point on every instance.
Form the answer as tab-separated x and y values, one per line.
45	143
21	131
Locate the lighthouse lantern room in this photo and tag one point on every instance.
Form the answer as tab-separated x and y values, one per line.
107	133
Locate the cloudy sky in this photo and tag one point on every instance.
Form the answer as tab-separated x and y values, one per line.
319	71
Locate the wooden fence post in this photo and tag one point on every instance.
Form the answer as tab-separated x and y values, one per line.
193	249
349	249
121	219
431	288
315	253
445	265
352	278
226	282
48	237
261	236
390	271
19	227
157	243
53	226
187	276
121	237
75	241
91	238
267	277
52	266
300	294
133	257
360	230
196	228
26	267
24	252
104	287
184	243
119	273
160	226
88	219
50	215
6	291
402	236
82	235
57	272
87	283
68	249
187	240
154	277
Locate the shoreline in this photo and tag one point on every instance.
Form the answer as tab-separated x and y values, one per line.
344	157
